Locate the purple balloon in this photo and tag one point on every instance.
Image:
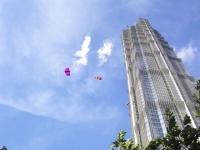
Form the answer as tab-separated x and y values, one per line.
67	71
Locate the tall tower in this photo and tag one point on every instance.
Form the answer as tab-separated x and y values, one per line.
157	81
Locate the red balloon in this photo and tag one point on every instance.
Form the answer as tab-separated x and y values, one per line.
98	77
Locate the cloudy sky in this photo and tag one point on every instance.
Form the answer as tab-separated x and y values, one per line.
41	108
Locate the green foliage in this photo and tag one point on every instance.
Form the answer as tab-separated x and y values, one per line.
198	85
154	145
197	98
186	138
3	148
190	135
122	144
175	139
172	140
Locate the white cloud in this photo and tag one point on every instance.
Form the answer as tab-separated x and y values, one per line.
104	52
46	104
36	50
83	52
187	53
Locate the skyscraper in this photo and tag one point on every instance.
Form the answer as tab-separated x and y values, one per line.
157	81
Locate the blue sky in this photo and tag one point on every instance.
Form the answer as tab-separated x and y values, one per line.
41	108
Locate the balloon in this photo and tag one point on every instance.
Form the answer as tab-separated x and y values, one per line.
67	72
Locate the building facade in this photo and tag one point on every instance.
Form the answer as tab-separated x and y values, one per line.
157	81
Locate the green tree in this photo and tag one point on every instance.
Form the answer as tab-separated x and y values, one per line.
176	138
197	98
172	139
154	145
122	144
3	148
190	135
186	138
